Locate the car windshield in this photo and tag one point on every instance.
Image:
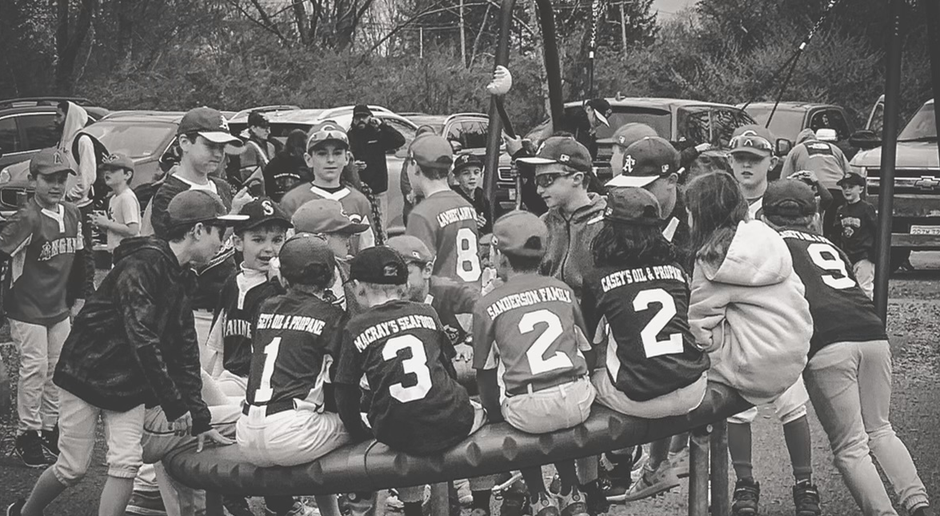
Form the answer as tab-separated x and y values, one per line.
922	127
136	140
660	120
707	124
785	123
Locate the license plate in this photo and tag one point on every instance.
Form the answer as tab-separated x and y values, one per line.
925	230
512	194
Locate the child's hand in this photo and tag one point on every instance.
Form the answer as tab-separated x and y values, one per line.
464	353
99	220
242	198
214	436
182	425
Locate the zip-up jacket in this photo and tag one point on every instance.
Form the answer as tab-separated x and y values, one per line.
569	257
135	341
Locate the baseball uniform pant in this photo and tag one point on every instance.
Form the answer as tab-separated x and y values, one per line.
77	422
569	404
203	323
232	385
789	406
288	438
865	276
37	398
676	403
850	386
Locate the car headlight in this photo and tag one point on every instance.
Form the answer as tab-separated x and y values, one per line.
5	176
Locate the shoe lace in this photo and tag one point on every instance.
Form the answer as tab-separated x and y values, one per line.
807	494
745	493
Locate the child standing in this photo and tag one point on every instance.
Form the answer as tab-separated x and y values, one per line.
849	370
638	299
529	353
857	224
133	345
123	218
749	312
752	158
468	172
41	240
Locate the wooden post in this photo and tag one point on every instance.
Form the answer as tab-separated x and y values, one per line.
698	471
463	38
440	500
623	28
421	42
721	503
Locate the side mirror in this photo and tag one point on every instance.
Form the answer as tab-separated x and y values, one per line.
456	146
783	146
865	139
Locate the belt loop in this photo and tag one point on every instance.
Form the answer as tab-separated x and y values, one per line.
529	388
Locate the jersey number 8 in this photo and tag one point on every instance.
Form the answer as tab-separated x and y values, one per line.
468	258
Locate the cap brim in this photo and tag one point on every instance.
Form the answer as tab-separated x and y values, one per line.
230	220
352	228
601	118
625	181
535	160
251	224
752	151
220	137
56	171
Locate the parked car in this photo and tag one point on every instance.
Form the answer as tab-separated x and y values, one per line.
467	132
916	221
683	122
792	117
28	124
145	136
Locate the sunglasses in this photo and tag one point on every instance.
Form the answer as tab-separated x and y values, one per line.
752	141
546	180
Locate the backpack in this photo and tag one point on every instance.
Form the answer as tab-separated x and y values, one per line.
99	190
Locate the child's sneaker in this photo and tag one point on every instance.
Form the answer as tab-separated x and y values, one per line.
746	498
573	504
680	462
16	507
651	482
28	448
616	481
146	503
464	494
515	500
393	503
597	504
545	506
806	499
640	458
923	510
50	441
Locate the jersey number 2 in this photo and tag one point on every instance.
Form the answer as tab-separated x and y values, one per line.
468	258
538	364
416	365
651	346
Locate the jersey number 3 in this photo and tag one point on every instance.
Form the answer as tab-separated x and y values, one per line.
468	258
416	365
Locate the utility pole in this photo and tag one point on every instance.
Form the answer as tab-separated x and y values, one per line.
463	39
623	28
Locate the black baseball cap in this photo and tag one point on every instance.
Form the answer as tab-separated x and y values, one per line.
303	254
633	205
564	150
260	211
362	110
852	179
789	198
208	123
380	265
646	161
467	160
257	119
601	107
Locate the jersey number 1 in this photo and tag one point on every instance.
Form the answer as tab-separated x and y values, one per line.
264	392
468	258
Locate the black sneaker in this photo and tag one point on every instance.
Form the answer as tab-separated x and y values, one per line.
746	498
597	504
923	510
14	508
146	503
806	499
50	441
617	481
29	449
515	500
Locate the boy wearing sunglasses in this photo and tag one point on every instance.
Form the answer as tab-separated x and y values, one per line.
752	157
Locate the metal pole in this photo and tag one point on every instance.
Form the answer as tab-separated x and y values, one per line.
495	129
721	503
888	155
552	64
932	14
623	29
698	471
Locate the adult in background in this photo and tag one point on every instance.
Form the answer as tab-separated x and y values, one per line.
818	152
369	140
260	148
584	123
288	168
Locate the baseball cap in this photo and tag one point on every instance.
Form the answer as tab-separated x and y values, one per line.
601	107
259	211
752	139
302	253
362	110
194	206
381	265
561	149
411	249
646	161
49	161
257	119
825	134
520	233
208	123
321	216
853	179
789	198
117	161
628	134
633	205
432	151
467	160
325	131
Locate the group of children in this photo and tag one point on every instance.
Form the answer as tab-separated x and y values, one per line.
634	300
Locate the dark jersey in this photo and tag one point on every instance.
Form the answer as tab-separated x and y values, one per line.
295	338
857	224
239	303
841	310
531	330
451	299
417	405
644	315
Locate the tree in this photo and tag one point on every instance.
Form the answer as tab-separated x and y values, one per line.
70	33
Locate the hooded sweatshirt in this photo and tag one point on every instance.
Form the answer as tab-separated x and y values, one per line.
78	187
823	158
135	341
750	314
569	257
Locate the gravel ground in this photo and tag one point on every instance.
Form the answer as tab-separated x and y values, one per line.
914	317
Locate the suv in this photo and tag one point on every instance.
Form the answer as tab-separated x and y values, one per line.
683	122
916	221
792	117
28	124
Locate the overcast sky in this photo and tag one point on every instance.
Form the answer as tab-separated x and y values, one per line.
667	8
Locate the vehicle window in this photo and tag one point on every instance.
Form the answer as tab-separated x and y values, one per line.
922	126
838	122
406	130
877	118
659	120
134	139
785	123
9	136
40	130
712	125
471	134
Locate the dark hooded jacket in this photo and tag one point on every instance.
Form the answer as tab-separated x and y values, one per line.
134	342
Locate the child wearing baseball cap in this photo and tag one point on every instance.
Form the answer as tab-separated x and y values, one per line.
327	155
41	242
114	362
747	306
640	276
293	346
468	175
849	371
857	223
510	324
393	341
123	217
625	136
752	158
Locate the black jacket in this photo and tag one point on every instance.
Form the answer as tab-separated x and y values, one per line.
369	144
134	342
283	173
482	207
